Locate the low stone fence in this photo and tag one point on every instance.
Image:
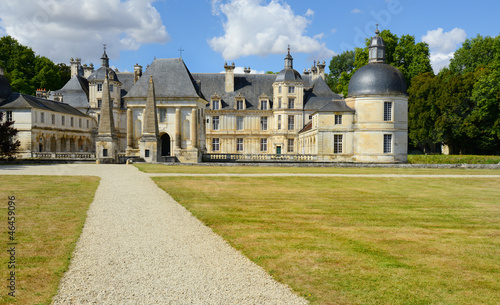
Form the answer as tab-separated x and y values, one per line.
64	155
258	158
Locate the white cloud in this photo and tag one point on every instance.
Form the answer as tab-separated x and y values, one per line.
442	45
334	30
309	13
356	11
68	28
256	28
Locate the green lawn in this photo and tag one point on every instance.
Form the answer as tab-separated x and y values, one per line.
50	212
204	169
453	159
359	240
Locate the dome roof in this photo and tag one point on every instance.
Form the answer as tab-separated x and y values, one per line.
377	79
5	89
288	75
100	74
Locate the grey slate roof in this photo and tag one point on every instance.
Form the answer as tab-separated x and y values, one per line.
377	79
319	95
100	73
127	80
336	106
251	86
288	75
23	101
172	80
75	92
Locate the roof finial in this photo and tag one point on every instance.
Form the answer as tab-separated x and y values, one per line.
104	46
180	50
288	49
377	31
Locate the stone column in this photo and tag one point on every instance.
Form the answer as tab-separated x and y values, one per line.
178	128
193	128
130	129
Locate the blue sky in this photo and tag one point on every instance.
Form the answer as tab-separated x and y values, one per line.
252	33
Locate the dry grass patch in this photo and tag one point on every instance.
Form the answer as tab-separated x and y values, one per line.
50	212
197	169
359	240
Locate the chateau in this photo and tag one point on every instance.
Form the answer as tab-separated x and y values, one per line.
167	113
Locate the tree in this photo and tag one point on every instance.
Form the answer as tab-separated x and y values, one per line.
340	64
27	71
7	134
475	52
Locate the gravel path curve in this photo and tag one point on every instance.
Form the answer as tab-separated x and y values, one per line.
139	246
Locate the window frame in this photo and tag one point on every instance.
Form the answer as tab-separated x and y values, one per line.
240	122
291	103
9	116
338	140
290	145
240	105
264	105
215	144
388	111
215	104
239	144
338	119
291	89
99	87
291	122
215	122
263	123
263	145
387	144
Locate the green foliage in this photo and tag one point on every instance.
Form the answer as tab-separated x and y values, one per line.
271	72
27	71
475	52
7	135
340	65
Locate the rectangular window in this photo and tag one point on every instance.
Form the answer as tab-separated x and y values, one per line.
163	115
215	123
338	119
71	121
239	105
104	152
215	105
42	117
8	118
99	103
290	145
387	111
291	89
263	105
53	119
215	144
279	122
337	144
239	123
387	143
87	123
99	87
263	123
122	104
110	88
263	144
80	123
279	89
63	120
239	144
146	153
291	103
291	122
279	102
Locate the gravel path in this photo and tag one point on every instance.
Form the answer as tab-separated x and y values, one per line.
139	246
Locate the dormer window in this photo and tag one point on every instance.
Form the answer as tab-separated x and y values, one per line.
215	105
240	105
264	105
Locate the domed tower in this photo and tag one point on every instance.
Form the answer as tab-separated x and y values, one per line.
96	81
288	103
378	94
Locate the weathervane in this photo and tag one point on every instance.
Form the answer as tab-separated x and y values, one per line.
104	45
180	50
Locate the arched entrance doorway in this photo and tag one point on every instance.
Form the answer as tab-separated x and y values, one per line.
165	145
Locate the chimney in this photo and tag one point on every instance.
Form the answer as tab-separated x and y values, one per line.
247	70
321	69
88	70
41	93
229	77
76	68
137	72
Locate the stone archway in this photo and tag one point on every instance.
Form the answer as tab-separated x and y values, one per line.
165	145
